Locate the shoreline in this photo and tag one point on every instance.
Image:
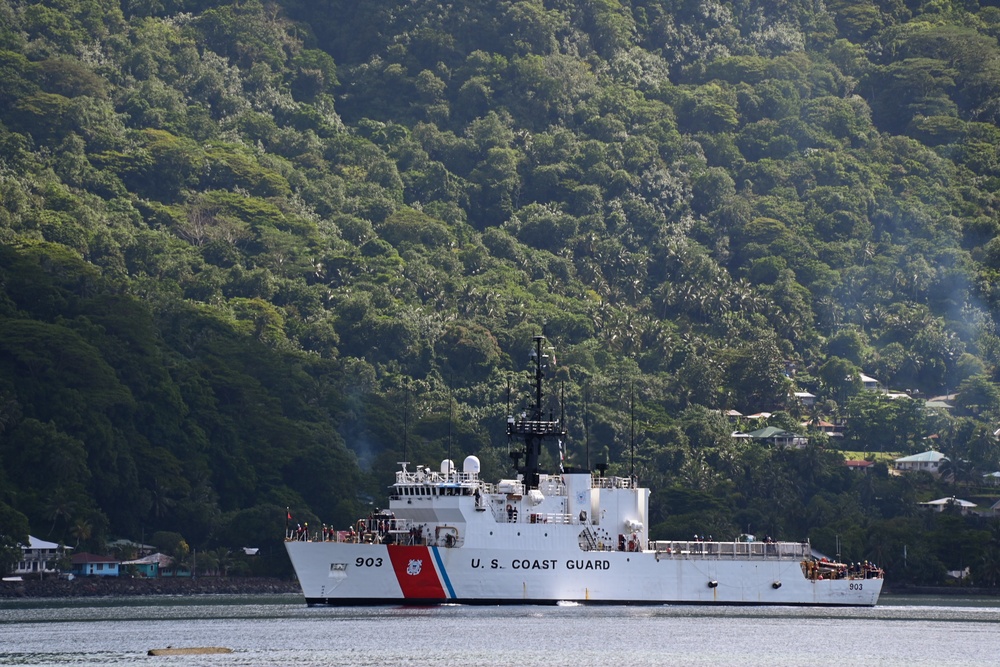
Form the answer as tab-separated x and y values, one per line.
972	591
92	587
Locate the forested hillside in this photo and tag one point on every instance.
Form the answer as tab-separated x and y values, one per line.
255	253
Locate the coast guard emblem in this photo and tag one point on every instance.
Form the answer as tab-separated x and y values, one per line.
413	569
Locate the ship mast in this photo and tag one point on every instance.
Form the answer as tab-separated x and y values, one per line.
533	427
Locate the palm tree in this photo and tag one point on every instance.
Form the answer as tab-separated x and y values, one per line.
956	470
82	530
988	568
188	561
161	500
223	559
208	563
59	507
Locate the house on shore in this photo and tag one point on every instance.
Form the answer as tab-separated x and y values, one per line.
149	566
92	565
39	557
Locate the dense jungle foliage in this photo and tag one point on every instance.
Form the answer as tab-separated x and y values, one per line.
255	253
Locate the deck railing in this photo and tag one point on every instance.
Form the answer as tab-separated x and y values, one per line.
732	550
375	529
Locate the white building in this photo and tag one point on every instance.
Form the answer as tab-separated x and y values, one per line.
939	505
869	383
929	461
805	398
39	557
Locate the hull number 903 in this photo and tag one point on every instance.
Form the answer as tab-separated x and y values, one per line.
368	562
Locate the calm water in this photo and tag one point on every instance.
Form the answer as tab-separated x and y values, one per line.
911	631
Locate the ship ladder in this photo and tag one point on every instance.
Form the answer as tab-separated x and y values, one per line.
587	541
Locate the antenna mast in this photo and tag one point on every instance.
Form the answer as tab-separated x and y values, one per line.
406	423
451	412
586	421
631	401
533	427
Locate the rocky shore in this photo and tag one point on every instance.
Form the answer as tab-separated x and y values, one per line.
115	587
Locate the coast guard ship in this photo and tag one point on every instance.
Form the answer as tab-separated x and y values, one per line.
448	536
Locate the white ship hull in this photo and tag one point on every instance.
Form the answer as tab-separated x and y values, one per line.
357	574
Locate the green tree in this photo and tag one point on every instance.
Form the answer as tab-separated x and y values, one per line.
909	88
979	397
758	370
840	377
708	108
877	423
13	534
